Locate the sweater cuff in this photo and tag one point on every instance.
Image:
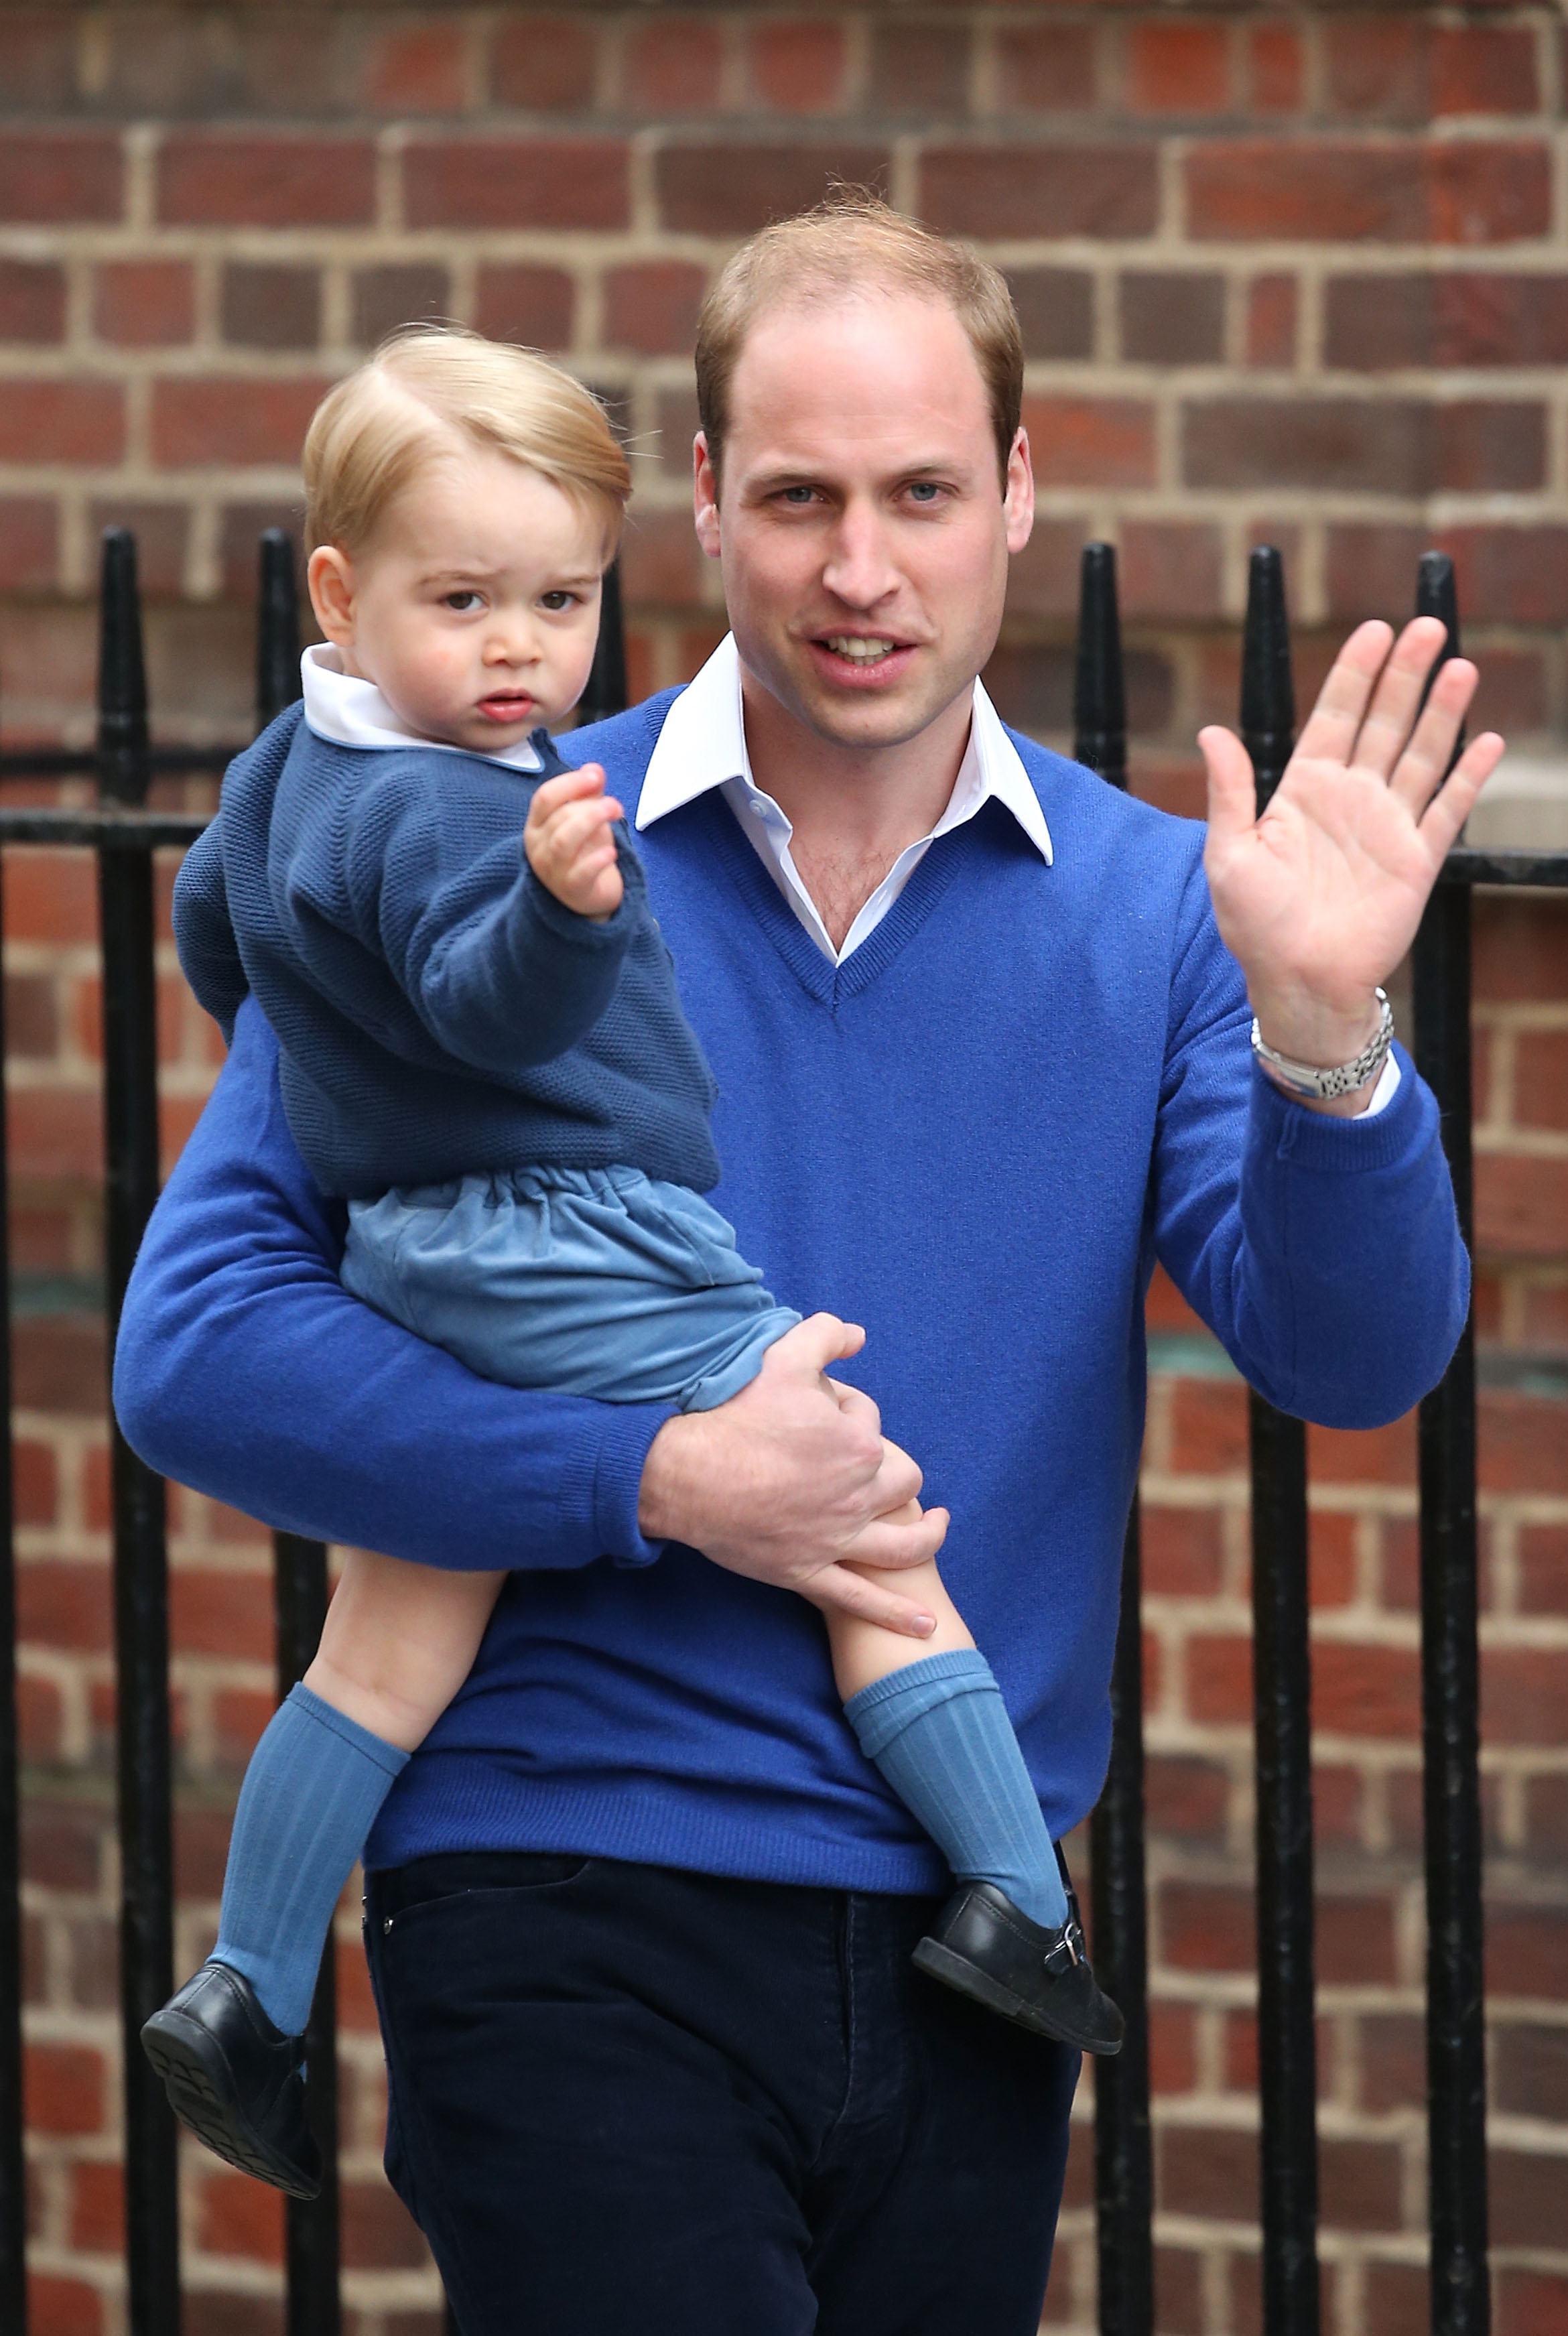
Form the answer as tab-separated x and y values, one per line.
587	933
1288	1129
629	1429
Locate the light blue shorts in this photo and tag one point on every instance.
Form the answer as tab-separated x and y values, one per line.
593	1282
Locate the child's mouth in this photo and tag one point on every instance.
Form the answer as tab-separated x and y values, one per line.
507	706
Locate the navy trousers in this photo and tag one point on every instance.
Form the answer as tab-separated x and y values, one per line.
628	2100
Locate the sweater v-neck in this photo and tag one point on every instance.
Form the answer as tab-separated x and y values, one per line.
832	984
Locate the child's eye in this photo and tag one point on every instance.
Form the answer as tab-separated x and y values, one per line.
555	601
463	603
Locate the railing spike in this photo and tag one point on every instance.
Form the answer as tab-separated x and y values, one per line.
607	684
1268	695
277	628
122	750
1099	693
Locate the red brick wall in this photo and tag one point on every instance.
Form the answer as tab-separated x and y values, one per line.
1287	273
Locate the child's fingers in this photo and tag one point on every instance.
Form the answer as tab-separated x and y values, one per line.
568	786
567	831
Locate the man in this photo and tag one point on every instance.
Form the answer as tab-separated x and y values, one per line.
638	1914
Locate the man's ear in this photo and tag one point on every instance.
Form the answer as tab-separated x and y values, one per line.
705	495
330	576
1019	494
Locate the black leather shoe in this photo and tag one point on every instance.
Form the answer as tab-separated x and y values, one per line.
982	1945
235	2079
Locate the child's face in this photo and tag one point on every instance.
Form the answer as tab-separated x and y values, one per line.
475	608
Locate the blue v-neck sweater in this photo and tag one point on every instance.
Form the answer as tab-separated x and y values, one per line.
975	1137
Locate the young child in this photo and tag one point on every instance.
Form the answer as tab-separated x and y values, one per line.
483	1051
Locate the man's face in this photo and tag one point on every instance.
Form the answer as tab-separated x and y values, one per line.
863	528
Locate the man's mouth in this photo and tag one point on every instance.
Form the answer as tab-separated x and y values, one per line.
861	648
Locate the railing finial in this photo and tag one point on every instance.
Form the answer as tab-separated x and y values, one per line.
607	684
277	628
122	750
1268	695
1099	693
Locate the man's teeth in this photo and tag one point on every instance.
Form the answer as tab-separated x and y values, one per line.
859	651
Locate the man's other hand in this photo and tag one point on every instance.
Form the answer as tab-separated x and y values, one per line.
792	1481
1319	898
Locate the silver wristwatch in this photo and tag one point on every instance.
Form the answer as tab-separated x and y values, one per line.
1322	1086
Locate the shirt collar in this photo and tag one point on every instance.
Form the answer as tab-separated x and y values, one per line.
354	713
702	746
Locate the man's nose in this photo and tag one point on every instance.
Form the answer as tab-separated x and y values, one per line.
860	569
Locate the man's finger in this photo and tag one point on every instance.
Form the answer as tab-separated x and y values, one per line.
1424	765
1455	800
1331	728
850	1594
1233	794
819	1340
1397	700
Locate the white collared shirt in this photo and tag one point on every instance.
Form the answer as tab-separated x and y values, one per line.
354	713
702	746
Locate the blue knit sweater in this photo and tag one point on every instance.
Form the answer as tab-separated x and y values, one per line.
974	1136
439	1011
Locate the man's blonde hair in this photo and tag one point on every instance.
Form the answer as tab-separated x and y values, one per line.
852	242
373	435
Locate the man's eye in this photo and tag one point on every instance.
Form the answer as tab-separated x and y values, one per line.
925	491
798	495
463	603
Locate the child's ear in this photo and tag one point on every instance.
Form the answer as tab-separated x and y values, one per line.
330	576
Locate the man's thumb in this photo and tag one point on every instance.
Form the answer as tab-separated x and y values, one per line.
1233	803
822	1338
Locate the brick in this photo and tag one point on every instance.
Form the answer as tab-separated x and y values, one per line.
1373	1456
59	1365
225	178
62	2307
61	422
65	2089
417	68
1209	1426
1170	568
97	2208
51	178
239	526
1530	2070
1170	319
29	544
797	65
1011	191
544	64
31	301
1541	1084
144	303
267	305
1488	447
1211	2171
531	304
1397	2300
1179	2290
922	69
1327	191
1271	320
1043	579
1276	69
731	190
1332	1541
1525	2192
1519	1208
1182	1552
672	66
378	2232
1528	2303
1055	310
63	1844
1101	442
1484	69
661	565
1524	1695
1382	447
1521	948
405	292
1173	2048
1391	2050
1516	574
61	1603
1453	318
37	61
39	1719
225	420
1044	68
515	182
1371	571
653	307
1218	1680
160	529
222	1612
1379	68
1178	68
1524	1951
1206	1926
1364	1690
1188	1797
239	2217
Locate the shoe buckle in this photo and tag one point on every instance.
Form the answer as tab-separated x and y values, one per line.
1067	1950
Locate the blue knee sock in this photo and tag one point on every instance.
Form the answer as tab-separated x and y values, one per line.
939	1732
315	1783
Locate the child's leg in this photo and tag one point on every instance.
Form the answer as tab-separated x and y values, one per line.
930	1715
398	1642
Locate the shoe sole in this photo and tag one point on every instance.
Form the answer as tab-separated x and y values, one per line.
201	2093
965	1978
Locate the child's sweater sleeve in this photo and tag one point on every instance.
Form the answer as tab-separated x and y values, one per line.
204	931
500	974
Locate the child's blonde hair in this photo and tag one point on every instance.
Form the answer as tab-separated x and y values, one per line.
375	432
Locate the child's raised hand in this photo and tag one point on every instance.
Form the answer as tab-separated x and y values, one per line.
568	843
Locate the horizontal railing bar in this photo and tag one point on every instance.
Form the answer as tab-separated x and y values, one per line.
109	828
81	762
1467	866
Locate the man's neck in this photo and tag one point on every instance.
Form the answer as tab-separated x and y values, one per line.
852	810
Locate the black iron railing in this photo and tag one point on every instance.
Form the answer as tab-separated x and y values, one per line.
125	833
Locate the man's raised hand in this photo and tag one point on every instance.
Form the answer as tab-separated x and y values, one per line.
1320	898
793	1481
